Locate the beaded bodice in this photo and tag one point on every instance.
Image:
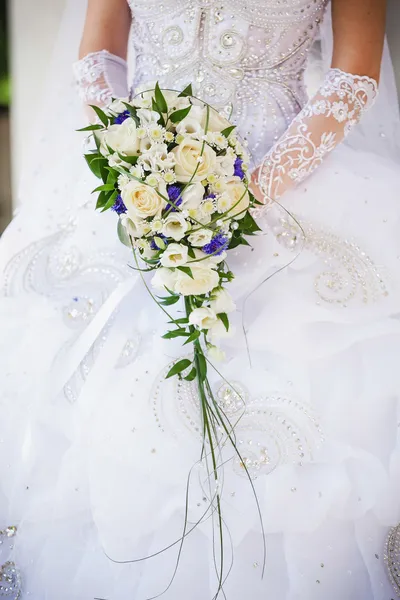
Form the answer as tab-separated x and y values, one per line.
244	57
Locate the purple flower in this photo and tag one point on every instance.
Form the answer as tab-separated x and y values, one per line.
122	117
218	244
119	206
174	192
238	171
153	244
212	196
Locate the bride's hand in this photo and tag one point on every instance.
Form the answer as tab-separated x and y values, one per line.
255	188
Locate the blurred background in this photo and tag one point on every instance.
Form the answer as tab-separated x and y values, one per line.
28	32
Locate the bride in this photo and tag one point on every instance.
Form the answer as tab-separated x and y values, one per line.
100	454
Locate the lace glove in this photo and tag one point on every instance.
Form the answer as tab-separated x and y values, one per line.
320	126
101	76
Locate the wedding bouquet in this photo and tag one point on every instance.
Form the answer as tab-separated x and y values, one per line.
176	174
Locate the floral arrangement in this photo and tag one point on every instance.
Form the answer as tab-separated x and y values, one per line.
176	174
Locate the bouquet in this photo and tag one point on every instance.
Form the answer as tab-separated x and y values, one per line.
176	174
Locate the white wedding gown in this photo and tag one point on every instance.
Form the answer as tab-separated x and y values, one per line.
97	449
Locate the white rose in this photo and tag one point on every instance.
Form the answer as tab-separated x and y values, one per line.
239	196
203	318
222	302
215	353
175	255
189	156
121	138
135	228
141	200
193	195
147	116
216	121
204	280
175	226
164	278
200	237
218	331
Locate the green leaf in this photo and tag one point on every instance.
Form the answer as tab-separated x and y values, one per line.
191	252
91	128
160	242
237	240
182	321
101	114
169	301
192	375
110	201
188	91
101	200
202	364
157	109
193	337
224	318
175	333
227	132
123	235
186	270
106	187
179	115
178	367
248	224
160	100
95	162
131	160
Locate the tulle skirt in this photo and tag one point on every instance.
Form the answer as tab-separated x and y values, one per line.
100	463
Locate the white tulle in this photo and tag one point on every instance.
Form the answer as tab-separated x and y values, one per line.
97	447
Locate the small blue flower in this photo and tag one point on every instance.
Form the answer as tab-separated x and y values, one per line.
210	196
153	244
238	171
218	244
119	119
174	192
119	206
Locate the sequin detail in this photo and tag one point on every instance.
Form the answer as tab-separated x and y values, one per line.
392	558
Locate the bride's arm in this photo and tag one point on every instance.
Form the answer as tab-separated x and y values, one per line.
101	72
349	88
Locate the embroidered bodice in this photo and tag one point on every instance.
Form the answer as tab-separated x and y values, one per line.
246	58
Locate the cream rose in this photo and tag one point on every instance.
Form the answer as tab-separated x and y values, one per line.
239	196
189	156
175	226
204	280
141	200
121	138
201	237
175	255
203	318
216	122
222	302
164	278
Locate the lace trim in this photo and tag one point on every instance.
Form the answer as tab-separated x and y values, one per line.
322	124
100	76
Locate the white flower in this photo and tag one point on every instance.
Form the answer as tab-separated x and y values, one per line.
215	353
203	318
221	302
224	203
157	225
200	237
169	176
189	126
164	278
135	228
145	145
208	207
175	255
117	105
141	200
123	180
225	165
114	160
175	226
147	117
193	195
136	171
218	331
169	136
189	157
156	133
204	280
340	111
216	121
121	138
239	196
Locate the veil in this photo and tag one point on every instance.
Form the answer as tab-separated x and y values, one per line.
61	111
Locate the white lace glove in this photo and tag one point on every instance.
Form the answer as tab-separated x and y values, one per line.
321	125
101	76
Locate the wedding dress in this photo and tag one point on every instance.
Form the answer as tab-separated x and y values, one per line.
100	454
